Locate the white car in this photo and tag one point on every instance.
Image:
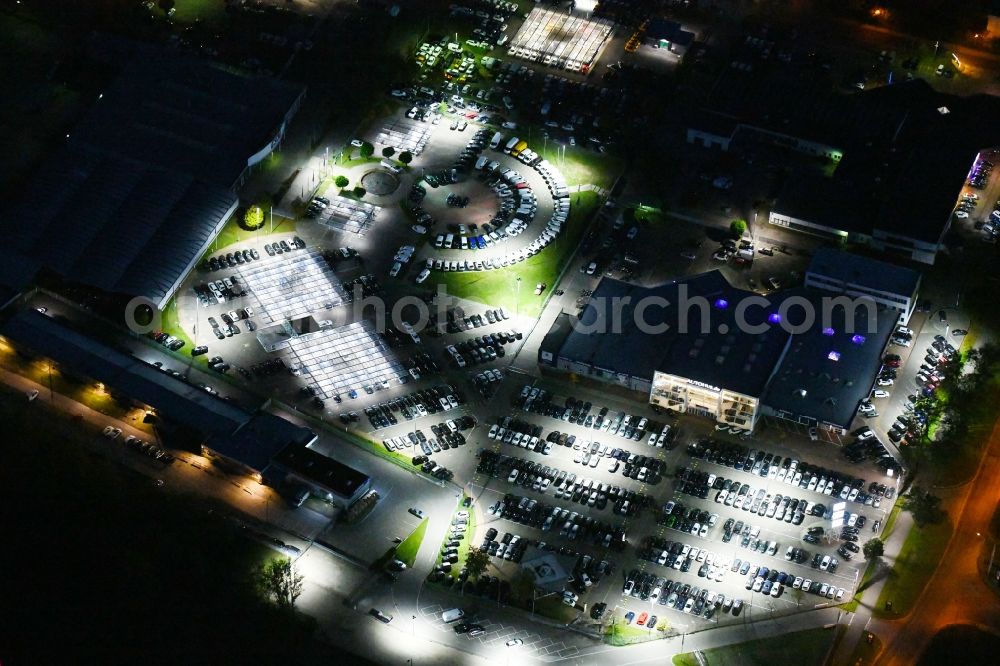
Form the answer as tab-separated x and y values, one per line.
825	564
885	381
902	330
424	274
961	214
879	393
357	143
396	268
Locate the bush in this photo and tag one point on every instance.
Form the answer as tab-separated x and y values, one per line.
738	227
341	181
406	157
360	191
388	151
366	149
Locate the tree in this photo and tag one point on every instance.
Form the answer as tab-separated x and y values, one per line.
738	227
924	506
388	151
360	191
797	595
476	561
873	548
253	218
341	181
366	149
278	580
406	157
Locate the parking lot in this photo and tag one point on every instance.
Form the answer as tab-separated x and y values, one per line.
533	507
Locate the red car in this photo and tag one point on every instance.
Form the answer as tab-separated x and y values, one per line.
892	363
642	619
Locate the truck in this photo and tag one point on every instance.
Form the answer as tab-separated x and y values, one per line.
495	142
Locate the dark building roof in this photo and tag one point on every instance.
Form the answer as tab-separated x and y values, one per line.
248	438
184	113
114	223
906	148
827	202
259	440
710	122
671	31
146	176
16	273
828	370
80	355
719	354
871	273
328	473
557	334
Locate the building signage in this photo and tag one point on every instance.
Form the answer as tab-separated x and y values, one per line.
709	387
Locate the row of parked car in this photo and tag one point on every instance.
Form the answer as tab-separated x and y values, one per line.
487	382
539	401
459	321
679	596
419	403
230	260
167	340
571	524
784	470
560	193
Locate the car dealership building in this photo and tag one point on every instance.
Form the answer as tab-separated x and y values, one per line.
701	346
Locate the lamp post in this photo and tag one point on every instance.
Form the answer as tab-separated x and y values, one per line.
517	294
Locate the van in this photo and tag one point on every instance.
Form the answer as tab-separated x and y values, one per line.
449	241
452	615
495	141
510	145
518	147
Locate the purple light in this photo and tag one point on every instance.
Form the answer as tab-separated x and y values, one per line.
828	332
774	318
721	304
858	339
834	356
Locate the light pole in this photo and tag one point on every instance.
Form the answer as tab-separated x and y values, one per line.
517	296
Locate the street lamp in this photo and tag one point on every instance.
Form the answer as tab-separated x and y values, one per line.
517	297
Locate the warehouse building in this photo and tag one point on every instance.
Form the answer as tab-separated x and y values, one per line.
255	443
701	346
890	286
147	179
900	154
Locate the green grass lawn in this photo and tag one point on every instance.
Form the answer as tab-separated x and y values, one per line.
912	568
554	609
579	165
169	323
499	287
232	232
801	647
619	633
191	11
864	652
407	550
